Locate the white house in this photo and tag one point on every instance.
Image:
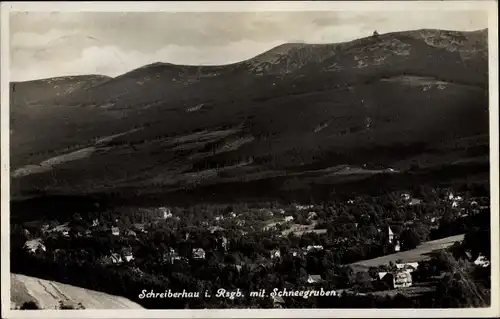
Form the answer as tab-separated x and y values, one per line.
312	279
127	254
482	261
312	215
295	252
198	253
34	245
114	258
405	196
415	202
399	279
278	301
303	207
313	248
288	219
115	231
402	279
275	253
166	212
410	267
62	229
397	246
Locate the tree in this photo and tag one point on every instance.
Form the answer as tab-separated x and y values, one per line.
409	239
458	288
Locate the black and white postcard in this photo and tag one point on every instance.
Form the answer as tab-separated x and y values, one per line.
249	159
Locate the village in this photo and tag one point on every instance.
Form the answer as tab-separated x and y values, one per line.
269	240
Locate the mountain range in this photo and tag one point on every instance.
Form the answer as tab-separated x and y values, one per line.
297	118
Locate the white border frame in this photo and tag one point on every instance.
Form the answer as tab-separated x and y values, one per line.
233	6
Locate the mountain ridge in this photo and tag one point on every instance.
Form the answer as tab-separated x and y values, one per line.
164	127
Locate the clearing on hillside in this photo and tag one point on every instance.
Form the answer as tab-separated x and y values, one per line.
422	252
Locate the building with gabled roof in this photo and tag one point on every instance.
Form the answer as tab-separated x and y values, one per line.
313	279
34	245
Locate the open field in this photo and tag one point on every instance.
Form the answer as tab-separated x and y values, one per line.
422	252
49	294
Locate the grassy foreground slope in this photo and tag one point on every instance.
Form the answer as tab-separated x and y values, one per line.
49	295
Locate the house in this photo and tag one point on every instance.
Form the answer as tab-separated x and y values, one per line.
137	271
389	235
131	233
468	254
34	245
313	279
312	215
45	228
398	279
26	233
198	253
278	302
406	197
214	229
166	212
402	279
224	242
240	223
114	258
482	261
288	219
304	207
295	252
127	254
62	229
415	202
140	228
115	231
409	267
397	247
314	248
170	256
275	253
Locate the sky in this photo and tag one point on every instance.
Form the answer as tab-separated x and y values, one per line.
49	44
